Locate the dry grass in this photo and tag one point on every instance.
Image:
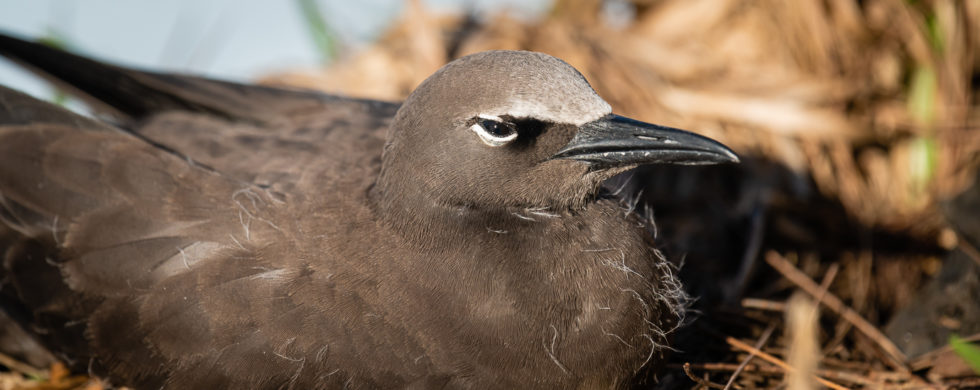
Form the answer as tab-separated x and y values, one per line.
55	377
862	97
855	118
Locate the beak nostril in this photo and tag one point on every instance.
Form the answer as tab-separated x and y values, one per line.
664	140
649	138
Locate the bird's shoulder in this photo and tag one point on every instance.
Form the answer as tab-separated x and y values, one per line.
329	136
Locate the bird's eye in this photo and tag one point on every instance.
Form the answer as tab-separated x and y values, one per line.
494	132
497	129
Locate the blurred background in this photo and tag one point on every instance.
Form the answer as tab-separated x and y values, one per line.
857	121
237	40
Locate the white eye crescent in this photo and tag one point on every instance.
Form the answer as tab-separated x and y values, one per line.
493	131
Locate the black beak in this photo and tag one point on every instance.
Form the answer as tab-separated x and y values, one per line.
613	141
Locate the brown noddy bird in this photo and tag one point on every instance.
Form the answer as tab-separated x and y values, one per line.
221	235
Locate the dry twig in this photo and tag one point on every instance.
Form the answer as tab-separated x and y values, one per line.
762	341
774	360
897	358
22	368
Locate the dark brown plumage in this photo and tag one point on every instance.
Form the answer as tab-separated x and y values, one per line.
231	236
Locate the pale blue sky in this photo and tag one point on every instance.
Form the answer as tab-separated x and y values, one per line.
230	39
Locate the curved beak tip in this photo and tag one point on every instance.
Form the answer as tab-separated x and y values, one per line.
734	158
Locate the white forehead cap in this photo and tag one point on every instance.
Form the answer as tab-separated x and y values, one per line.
536	85
548	111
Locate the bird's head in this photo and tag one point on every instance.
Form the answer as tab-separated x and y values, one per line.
522	129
